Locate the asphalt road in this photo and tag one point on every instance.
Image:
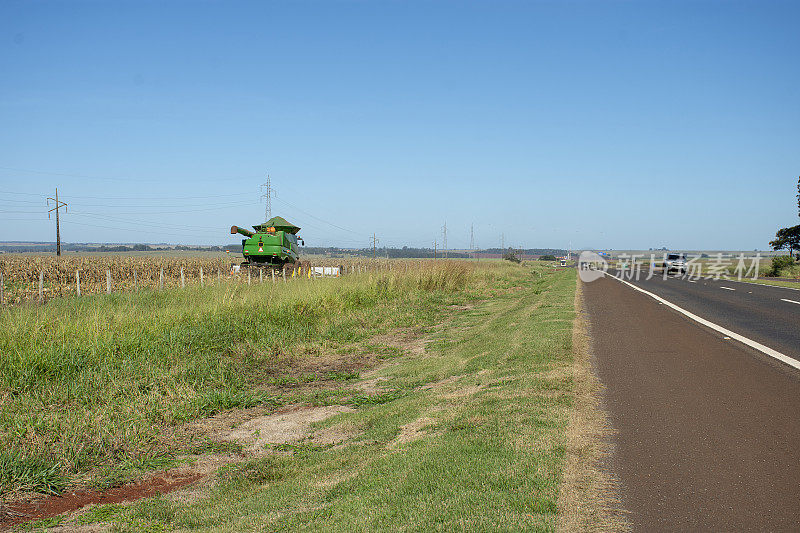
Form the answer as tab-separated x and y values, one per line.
707	429
765	314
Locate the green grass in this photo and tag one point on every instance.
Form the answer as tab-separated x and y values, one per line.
767	281
88	385
489	403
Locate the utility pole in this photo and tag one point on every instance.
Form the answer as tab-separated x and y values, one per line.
374	243
434	249
502	241
444	239
57	208
266	194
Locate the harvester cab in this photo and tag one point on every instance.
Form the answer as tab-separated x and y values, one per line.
273	243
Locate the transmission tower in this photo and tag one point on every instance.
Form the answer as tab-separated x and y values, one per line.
57	208
266	194
502	241
444	239
471	238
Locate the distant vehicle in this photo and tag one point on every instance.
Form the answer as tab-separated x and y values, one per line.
675	262
563	262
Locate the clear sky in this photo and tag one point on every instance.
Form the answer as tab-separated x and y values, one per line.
600	124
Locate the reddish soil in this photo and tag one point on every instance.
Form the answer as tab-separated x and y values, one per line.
16	513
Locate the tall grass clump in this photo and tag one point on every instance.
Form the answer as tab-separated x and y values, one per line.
784	266
90	383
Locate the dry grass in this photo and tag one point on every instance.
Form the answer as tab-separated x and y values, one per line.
589	495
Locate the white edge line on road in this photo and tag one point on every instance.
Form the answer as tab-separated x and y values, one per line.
790	301
741	338
727	288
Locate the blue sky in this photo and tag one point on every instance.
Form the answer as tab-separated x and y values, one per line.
600	124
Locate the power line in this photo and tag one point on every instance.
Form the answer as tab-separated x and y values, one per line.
159	197
22	193
21	201
181	227
108	178
171	211
139	230
317	218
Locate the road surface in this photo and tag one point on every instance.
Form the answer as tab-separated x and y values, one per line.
707	429
769	315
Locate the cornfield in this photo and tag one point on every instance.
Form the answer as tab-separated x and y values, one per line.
60	276
21	275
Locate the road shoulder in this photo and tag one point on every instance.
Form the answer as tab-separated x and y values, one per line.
589	498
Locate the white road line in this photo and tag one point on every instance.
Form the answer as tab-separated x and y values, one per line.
726	332
691	281
790	301
727	288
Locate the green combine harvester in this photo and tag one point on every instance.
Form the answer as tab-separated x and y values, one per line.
274	243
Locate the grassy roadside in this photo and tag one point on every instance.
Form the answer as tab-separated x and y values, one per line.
88	386
767	281
472	436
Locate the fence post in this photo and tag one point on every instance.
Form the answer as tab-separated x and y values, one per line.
78	281
41	286
273	275
202	283
108	281
260	275
248	275
183	280
284	273
161	279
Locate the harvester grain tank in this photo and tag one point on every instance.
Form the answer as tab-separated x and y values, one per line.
272	243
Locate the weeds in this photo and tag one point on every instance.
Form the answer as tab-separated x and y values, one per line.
95	380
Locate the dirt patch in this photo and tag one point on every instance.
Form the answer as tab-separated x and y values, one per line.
206	466
455	392
411	431
373	385
283	427
12	515
80	528
441	383
463	392
589	496
408	341
254	428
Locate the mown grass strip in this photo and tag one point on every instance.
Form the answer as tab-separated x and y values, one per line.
90	383
475	441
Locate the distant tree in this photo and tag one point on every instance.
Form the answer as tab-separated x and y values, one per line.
787	238
511	255
548	258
